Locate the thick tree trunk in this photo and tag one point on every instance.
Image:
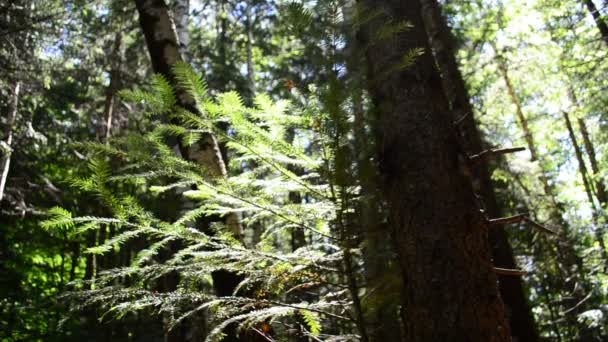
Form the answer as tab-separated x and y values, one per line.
511	288
439	232
8	136
600	22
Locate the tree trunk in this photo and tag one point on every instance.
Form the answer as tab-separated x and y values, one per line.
161	39
298	236
162	42
222	42
601	194
599	21
439	233
556	209
249	21
181	15
585	175
511	288
521	118
381	271
113	87
8	133
566	254
582	167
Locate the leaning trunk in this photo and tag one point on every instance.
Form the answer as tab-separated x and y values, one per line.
511	288
439	233
163	46
600	22
181	9
585	175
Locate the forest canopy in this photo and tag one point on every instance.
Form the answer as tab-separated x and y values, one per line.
303	170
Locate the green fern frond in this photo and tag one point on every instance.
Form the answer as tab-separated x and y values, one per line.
60	219
313	321
188	79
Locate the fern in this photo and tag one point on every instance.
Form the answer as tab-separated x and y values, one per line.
274	279
313	322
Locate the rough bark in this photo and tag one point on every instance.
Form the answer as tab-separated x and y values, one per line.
8	134
439	233
511	288
600	22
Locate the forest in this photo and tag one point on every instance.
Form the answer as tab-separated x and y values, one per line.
304	170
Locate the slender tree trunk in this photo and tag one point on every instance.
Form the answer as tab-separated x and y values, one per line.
521	118
601	193
585	175
566	254
249	21
8	133
600	22
298	236
113	87
222	42
582	167
518	311
556	208
439	232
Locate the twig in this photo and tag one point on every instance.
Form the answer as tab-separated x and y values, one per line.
263	335
509	271
578	304
519	218
461	119
508	220
493	152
